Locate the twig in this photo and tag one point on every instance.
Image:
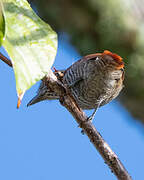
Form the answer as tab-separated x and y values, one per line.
68	102
108	155
5	60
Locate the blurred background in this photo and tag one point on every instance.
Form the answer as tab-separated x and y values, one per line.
43	141
96	25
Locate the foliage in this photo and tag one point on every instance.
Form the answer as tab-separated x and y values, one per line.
29	41
2	25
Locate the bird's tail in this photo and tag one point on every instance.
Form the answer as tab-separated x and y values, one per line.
41	97
44	92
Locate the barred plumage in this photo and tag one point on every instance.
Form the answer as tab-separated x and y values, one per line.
94	80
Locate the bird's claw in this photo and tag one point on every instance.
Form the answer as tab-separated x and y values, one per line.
90	118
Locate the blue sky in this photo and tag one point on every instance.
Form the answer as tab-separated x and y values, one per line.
44	142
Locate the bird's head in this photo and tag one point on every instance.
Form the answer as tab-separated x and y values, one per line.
113	60
113	64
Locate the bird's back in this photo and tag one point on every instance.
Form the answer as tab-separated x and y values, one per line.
93	80
91	83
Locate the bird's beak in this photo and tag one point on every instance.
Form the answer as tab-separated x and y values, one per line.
36	99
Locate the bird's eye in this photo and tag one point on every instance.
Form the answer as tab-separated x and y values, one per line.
122	69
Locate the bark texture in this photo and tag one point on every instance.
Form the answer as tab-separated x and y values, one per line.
103	148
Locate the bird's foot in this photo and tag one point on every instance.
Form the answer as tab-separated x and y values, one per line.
90	118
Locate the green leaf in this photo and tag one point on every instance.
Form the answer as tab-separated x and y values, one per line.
2	24
30	43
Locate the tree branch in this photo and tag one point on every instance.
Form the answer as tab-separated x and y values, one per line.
5	60
69	103
103	148
108	155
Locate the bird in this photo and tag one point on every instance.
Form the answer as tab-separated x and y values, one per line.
93	81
